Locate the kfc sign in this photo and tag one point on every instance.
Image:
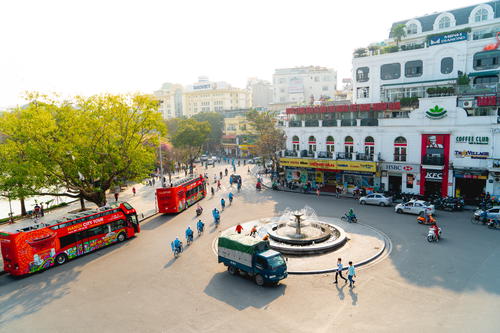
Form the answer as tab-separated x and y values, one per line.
434	175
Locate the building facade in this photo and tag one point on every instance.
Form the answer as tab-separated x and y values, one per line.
262	92
303	84
238	139
170	98
425	117
206	96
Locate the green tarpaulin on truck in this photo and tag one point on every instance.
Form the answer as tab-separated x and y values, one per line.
243	243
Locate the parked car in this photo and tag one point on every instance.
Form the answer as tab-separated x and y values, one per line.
417	207
376	199
215	158
203	158
492	213
210	161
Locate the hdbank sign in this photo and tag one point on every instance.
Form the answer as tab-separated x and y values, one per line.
449	38
329	164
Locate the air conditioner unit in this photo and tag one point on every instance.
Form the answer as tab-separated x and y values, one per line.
467	104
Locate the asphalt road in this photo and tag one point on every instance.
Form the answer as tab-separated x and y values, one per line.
137	286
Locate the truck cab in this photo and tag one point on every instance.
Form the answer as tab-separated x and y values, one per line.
271	266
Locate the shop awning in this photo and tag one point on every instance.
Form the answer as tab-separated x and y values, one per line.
485	73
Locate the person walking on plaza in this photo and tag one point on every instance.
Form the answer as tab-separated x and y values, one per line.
239	228
338	273
133	191
116	196
350	274
41	209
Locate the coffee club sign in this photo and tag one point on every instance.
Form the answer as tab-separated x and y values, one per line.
473	140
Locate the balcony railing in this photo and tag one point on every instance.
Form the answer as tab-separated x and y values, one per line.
295	123
330	123
306	153
432	160
478	89
348	122
364	157
292	153
400	158
311	123
325	154
344	156
369	122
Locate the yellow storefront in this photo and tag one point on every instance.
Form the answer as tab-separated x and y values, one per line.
348	174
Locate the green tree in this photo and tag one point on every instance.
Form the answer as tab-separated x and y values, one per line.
82	147
360	52
216	121
190	137
270	139
398	32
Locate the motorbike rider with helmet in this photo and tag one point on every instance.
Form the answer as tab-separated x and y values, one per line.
189	234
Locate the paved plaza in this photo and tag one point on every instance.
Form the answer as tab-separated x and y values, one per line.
137	286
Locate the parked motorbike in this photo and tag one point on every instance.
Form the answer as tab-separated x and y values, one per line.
431	235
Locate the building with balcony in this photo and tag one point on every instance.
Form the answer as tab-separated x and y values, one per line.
207	96
238	137
302	84
436	147
439	53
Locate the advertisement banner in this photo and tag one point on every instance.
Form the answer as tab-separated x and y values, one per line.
449	38
329	164
435	153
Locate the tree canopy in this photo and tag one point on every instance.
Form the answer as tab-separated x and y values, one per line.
398	32
270	139
190	137
83	146
216	121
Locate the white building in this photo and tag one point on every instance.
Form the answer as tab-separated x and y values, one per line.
301	84
170	97
262	92
207	96
400	135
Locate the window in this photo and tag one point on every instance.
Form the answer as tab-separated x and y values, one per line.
330	144
414	68
312	144
444	22
316	79
369	146
327	78
67	240
348	146
363	92
486	79
390	71
295	143
362	74
324	88
400	149
481	15
282	80
446	65
118	225
282	90
486	60
412	29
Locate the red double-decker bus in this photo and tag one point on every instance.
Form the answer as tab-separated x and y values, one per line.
28	247
183	193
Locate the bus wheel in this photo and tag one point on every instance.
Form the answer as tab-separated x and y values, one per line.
121	237
61	258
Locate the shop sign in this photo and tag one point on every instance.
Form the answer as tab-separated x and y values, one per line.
434	175
329	164
436	113
478	155
449	38
473	140
400	167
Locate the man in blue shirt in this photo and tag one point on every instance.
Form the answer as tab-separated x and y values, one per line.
340	267
350	274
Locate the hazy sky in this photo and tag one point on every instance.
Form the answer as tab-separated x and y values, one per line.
85	47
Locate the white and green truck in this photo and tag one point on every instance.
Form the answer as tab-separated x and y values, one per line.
247	255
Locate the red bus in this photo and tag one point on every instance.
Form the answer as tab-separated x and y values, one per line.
30	248
183	193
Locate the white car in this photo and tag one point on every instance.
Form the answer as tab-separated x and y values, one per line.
203	157
417	207
376	199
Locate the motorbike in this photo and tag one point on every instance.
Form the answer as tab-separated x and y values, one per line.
493	224
423	220
275	187
350	219
200	231
199	210
176	250
431	235
258	187
189	239
216	220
